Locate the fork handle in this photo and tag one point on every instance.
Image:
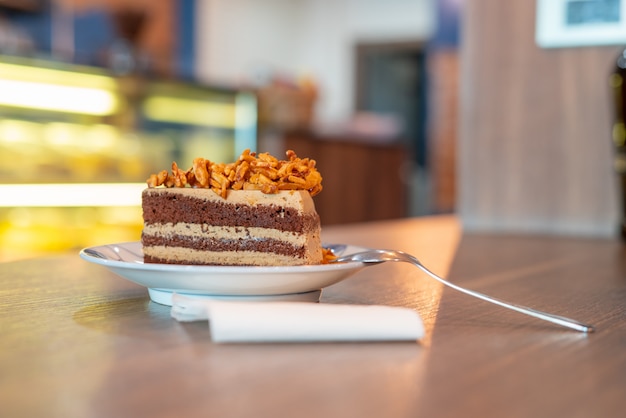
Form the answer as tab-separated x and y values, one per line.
556	319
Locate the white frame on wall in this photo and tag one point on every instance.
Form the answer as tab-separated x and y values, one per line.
552	30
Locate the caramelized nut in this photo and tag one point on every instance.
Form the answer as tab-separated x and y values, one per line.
250	172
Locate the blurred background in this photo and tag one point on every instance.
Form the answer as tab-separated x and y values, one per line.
410	107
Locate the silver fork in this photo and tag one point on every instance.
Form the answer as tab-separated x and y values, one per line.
371	257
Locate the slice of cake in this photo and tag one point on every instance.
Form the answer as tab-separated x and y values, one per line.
257	211
248	227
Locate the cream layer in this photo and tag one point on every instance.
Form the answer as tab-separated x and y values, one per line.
191	256
205	231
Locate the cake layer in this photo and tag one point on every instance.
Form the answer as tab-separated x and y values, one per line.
268	246
180	255
284	211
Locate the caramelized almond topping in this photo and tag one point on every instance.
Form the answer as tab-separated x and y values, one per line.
250	172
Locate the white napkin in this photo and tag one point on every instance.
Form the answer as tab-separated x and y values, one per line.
235	321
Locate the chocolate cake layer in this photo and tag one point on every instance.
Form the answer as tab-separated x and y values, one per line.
269	246
159	207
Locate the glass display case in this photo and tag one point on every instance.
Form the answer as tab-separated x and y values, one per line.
77	144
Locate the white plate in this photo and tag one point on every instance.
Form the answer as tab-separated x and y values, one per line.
302	283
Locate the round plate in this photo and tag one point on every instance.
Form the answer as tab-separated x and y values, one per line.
224	282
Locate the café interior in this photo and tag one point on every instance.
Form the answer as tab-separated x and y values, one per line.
97	95
472	112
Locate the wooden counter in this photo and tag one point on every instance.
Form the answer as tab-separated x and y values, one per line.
78	341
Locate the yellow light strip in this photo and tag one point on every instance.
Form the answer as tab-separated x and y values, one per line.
71	195
53	76
82	100
195	112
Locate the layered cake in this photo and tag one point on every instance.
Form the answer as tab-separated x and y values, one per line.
257	211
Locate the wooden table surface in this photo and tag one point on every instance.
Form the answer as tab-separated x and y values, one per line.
78	341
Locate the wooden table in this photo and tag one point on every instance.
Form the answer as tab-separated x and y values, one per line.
78	341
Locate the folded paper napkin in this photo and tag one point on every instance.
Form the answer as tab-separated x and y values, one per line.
235	321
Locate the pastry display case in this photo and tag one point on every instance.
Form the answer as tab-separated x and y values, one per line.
77	144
